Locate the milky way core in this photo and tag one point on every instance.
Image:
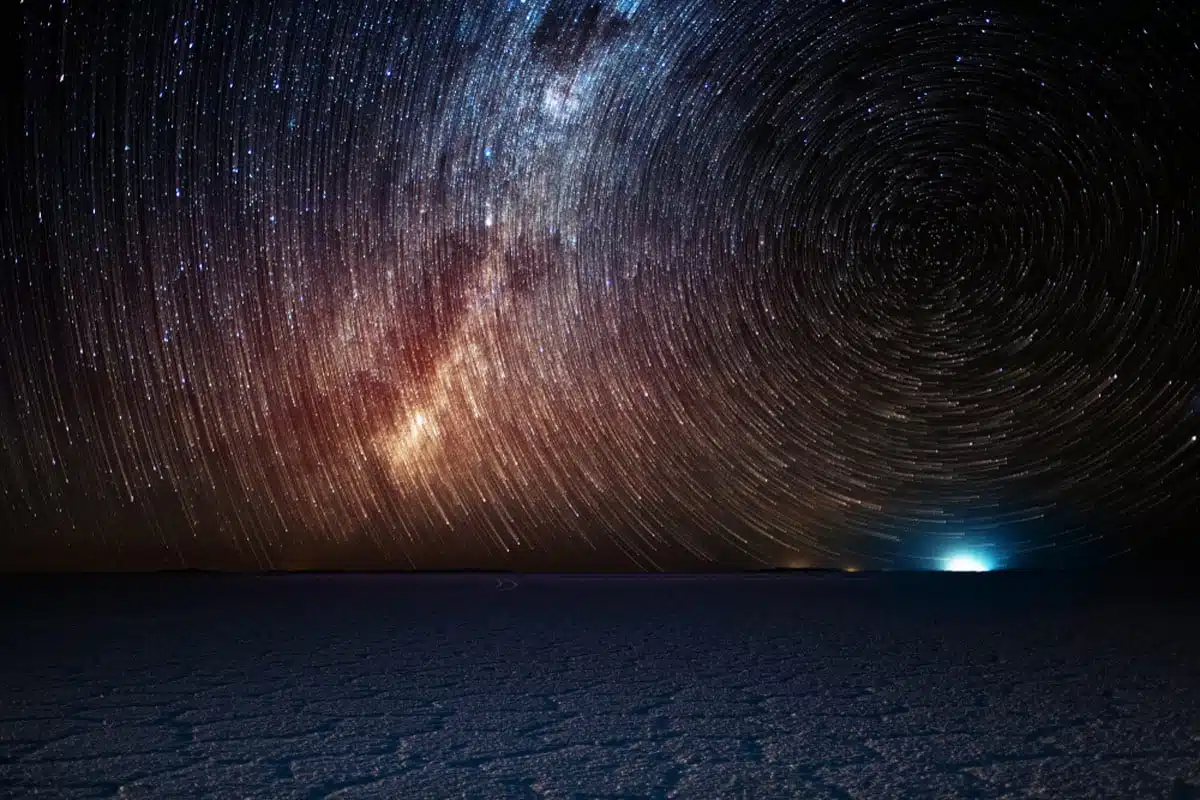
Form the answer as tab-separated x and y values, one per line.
481	283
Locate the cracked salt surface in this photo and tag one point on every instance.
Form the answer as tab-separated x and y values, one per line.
881	686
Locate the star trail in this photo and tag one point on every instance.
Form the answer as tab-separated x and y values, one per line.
298	283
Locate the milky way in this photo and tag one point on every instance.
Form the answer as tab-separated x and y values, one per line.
298	283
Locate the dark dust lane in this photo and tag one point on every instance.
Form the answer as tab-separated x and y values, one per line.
517	686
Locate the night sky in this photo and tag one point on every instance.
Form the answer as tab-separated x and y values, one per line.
644	284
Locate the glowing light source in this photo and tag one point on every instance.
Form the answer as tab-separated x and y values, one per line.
965	562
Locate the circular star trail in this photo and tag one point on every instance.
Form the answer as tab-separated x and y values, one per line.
298	283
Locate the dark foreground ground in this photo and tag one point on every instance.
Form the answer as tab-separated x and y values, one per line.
713	687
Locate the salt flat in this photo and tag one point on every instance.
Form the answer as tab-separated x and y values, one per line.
810	686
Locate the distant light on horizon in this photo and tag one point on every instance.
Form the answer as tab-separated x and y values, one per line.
966	562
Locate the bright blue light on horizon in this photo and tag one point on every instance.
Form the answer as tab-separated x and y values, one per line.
965	562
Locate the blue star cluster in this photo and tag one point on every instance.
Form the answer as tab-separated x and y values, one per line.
466	283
